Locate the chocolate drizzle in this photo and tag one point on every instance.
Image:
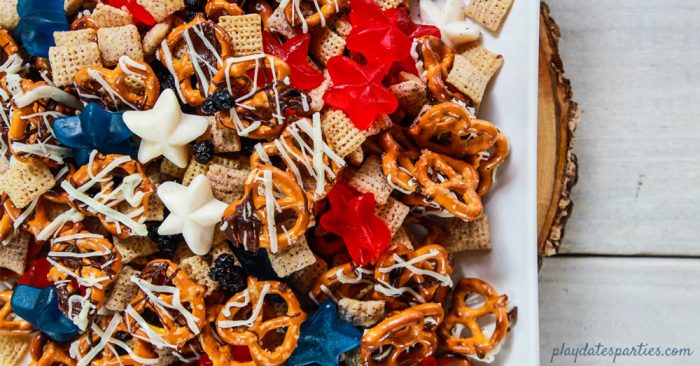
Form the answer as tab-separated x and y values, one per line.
244	227
205	57
291	102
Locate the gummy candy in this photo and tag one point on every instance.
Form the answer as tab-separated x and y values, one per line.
358	91
38	19
375	33
323	338
36	275
295	53
140	14
352	217
40	308
94	129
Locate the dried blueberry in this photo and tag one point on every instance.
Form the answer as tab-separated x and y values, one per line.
219	101
195	5
225	271
165	78
248	146
257	264
166	81
190	14
203	151
166	243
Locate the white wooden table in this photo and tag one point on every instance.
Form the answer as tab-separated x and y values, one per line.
629	271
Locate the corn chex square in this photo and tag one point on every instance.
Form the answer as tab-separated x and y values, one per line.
245	31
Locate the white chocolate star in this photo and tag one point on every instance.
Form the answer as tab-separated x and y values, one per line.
450	19
165	130
194	212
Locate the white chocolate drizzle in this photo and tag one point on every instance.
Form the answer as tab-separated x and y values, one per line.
445	280
149	289
254	315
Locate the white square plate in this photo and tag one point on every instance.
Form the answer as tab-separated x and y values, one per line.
511	103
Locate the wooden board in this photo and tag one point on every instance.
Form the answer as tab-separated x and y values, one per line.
619	302
558	116
635	68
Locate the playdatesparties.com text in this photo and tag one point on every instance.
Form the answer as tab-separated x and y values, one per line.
617	352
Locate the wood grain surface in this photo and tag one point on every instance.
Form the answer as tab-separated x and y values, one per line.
619	302
635	68
629	271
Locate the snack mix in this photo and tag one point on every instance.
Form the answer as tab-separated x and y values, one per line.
246	182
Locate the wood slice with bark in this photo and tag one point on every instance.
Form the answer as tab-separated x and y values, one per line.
558	117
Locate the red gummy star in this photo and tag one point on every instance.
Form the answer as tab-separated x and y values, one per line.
358	91
36	275
352	217
140	14
412	31
295	53
375	33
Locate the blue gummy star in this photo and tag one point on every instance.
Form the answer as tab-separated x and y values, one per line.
323	338
39	306
94	129
38	19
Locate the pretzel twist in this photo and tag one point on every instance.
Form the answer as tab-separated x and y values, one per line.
219	352
214	9
107	356
405	338
45	352
254	103
435	233
83	22
252	331
343	281
425	271
447	129
262	8
487	167
437	60
131	84
8	215
450	183
463	315
186	68
400	155
180	289
97	269
29	125
290	201
39	219
8	45
297	155
133	199
321	11
10	324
